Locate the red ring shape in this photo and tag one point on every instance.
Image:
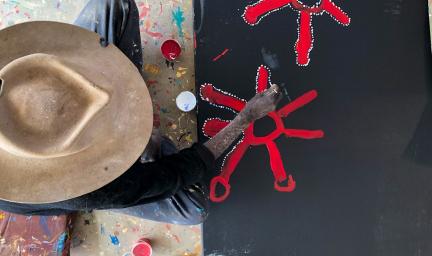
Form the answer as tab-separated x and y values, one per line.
219	180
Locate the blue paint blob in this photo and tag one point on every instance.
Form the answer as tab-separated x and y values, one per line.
61	243
114	240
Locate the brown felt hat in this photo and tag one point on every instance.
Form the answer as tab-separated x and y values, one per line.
74	115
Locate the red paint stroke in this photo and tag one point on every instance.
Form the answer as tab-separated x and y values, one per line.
221	98
211	127
255	12
220	55
176	238
283	182
156	121
144	10
151	82
156	35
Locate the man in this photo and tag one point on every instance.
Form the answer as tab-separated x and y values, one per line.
164	188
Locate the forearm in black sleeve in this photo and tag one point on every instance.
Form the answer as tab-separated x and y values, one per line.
144	183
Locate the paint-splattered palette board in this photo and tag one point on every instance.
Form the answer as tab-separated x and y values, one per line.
343	167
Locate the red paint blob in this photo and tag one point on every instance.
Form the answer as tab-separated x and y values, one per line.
283	182
255	12
171	49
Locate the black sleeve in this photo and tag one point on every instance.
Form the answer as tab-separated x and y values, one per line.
145	183
142	183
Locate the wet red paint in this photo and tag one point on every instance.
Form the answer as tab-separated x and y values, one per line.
283	182
220	55
142	248
171	49
255	12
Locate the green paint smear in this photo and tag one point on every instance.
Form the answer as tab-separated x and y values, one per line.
178	19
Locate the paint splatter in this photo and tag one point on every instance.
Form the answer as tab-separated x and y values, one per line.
144	10
178	19
154	35
169	64
151	82
189	138
177	238
218	98
181	72
220	55
114	240
61	242
152	69
43	221
102	229
184	136
156	121
255	12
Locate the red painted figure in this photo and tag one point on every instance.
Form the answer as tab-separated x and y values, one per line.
213	125
255	12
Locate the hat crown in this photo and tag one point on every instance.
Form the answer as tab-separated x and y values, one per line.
45	105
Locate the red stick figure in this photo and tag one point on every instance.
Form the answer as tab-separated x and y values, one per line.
254	13
213	125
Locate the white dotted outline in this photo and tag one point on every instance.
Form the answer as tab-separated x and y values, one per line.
211	119
223	92
257	77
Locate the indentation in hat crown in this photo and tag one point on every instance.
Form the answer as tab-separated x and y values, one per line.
44	106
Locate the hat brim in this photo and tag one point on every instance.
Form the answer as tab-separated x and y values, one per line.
119	132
